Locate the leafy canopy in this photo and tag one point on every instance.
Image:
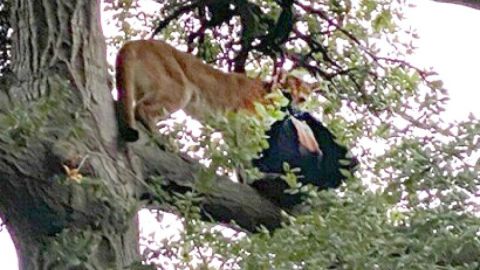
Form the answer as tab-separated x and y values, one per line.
414	201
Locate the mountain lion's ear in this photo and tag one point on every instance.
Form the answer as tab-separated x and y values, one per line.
267	85
281	78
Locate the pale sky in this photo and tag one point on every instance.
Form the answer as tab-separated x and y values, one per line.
448	41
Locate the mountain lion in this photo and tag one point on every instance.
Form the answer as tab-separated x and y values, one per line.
154	80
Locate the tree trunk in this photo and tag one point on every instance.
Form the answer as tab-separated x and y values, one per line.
69	191
59	115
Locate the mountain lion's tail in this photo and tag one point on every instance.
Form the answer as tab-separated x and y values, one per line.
126	97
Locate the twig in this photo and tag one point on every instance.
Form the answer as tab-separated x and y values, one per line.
181	10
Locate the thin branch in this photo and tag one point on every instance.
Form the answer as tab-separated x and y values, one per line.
315	46
181	10
475	4
424	126
352	37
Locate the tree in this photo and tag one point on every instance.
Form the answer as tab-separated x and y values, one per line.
70	190
468	3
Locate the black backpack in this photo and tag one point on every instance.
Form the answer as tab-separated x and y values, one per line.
322	170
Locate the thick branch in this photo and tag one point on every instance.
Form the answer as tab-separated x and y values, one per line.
227	201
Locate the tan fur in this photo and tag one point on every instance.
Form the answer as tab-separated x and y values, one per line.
299	89
154	80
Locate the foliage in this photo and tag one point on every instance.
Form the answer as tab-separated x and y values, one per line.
416	205
360	231
72	249
21	123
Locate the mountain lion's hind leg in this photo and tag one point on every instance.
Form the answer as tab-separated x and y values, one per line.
146	116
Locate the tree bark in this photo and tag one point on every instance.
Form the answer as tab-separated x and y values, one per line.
56	116
62	115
